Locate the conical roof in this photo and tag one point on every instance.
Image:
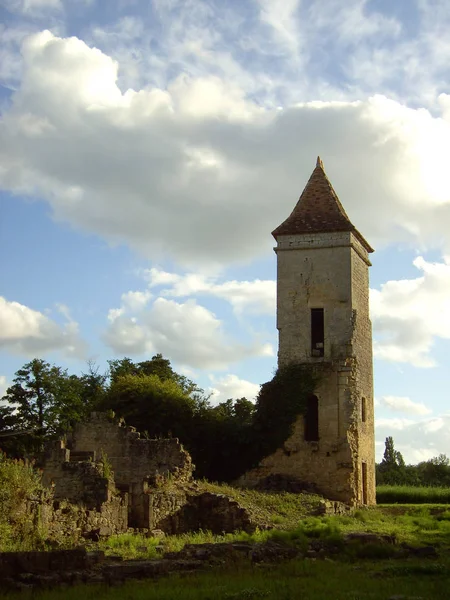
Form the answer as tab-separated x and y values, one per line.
318	210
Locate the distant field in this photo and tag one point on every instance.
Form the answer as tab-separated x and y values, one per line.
404	494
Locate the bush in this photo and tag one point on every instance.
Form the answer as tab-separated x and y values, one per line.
19	482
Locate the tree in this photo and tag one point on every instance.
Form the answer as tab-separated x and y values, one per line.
160	366
158	407
9	441
44	401
435	472
391	457
391	470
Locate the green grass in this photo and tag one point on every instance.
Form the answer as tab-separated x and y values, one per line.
312	580
276	509
403	494
414	525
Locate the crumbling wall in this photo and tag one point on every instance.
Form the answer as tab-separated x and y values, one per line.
132	458
180	512
79	482
65	521
152	475
60	521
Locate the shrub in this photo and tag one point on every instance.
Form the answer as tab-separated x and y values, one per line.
19	483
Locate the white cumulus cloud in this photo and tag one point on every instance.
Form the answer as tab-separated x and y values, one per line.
29	332
105	159
405	405
3	385
188	333
408	314
416	440
257	296
231	386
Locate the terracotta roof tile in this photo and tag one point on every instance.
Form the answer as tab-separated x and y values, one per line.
318	210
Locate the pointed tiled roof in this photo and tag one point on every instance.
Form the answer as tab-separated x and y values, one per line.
318	210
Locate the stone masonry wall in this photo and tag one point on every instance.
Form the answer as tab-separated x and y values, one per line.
133	459
325	466
363	378
330	271
314	275
79	482
61	521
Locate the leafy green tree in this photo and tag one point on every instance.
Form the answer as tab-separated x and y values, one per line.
160	366
392	469
158	407
435	472
221	439
392	457
9	442
44	401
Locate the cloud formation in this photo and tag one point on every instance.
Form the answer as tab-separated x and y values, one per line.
231	386
3	385
188	333
405	405
255	296
416	440
408	314
201	173
29	333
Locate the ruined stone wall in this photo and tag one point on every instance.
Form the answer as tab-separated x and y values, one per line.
78	482
179	511
132	458
63	520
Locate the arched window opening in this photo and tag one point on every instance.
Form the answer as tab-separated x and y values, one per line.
312	419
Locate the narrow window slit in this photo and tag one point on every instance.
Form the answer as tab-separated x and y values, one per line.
317	332
363	410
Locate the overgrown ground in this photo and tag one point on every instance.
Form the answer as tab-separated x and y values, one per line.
309	580
425	525
354	572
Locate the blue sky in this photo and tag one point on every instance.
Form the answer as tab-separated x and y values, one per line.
148	149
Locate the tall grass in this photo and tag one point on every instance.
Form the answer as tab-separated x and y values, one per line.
404	494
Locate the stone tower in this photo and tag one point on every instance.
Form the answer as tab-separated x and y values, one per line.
323	321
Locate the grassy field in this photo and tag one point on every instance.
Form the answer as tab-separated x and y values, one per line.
309	580
403	494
